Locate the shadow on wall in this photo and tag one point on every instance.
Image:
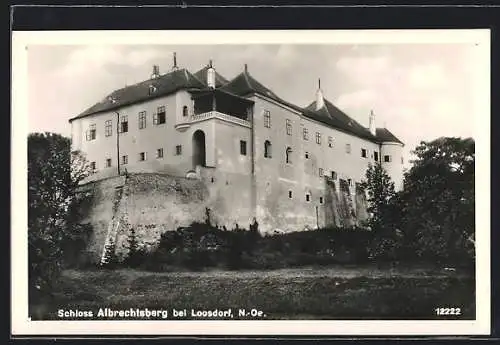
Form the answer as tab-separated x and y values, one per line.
340	209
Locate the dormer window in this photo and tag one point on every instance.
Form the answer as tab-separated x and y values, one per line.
152	89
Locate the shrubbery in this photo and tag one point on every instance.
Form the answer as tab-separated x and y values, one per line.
201	246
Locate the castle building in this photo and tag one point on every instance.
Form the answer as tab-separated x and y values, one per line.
258	155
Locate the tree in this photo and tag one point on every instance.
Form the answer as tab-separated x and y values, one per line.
54	173
383	205
438	200
381	194
135	254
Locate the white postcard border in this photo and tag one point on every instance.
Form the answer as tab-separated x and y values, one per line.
21	325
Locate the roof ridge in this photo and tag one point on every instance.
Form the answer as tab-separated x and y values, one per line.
245	74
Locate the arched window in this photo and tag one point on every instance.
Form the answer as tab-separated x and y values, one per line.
185	111
267	149
289	155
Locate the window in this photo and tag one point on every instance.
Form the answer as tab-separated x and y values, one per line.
159	153
267	119
307	155
108	128
363	153
348	148
124	160
160	117
288	127
93	166
308	197
288	153
178	150
243	147
267	149
330	141
142	119
108	162
402	160
387	158
375	156
185	111
124	124
321	200
334	175
142	156
290	194
91	133
320	170
349	181
305	134
318	138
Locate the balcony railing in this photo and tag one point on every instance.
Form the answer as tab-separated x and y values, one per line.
211	115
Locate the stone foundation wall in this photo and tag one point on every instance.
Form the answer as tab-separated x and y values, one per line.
154	203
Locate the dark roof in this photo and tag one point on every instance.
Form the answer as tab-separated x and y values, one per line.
244	84
164	84
202	76
331	115
207	91
384	135
241	86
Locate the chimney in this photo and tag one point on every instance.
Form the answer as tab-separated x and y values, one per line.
174	67
320	101
156	72
211	76
372	123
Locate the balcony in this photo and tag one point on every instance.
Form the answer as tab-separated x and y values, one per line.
195	118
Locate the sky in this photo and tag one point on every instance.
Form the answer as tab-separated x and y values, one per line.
418	91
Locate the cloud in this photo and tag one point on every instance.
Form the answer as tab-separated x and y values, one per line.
88	60
427	76
365	70
357	99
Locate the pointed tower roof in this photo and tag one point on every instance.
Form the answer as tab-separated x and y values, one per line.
245	84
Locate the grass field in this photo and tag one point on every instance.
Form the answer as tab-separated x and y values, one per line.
306	293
